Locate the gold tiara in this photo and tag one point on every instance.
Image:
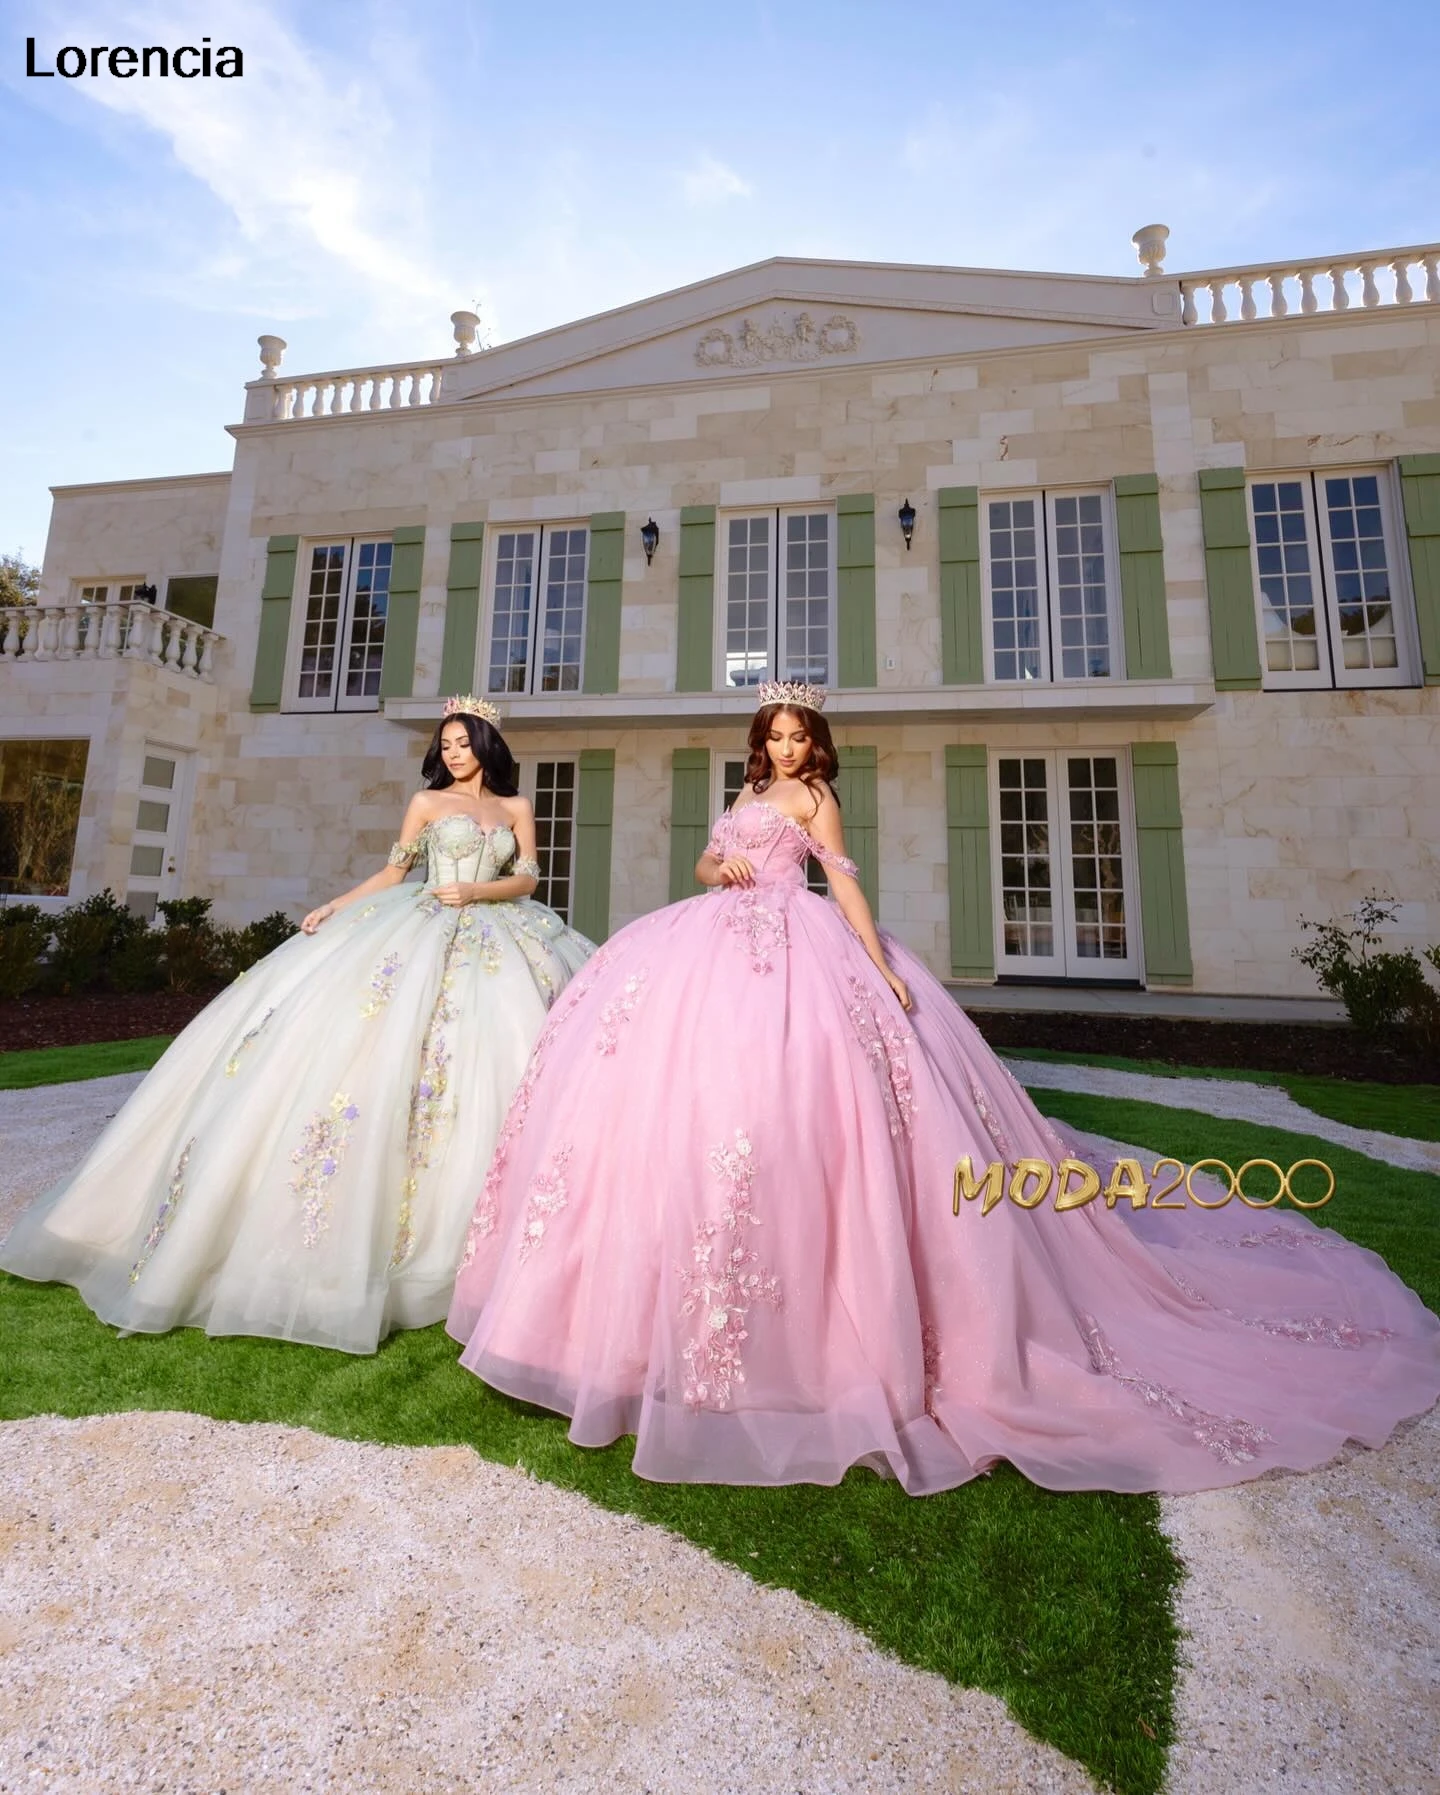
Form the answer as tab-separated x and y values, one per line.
469	706
791	691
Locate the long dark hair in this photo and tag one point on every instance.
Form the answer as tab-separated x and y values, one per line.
819	770
497	763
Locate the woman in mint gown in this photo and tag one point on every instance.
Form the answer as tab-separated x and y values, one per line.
302	1162
720	1218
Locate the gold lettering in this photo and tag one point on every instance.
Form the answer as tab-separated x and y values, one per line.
968	1186
1158	1200
1025	1169
1084	1192
1128	1184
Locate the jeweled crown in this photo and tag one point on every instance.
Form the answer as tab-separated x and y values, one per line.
791	691
468	705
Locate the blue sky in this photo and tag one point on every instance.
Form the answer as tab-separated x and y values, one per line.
380	165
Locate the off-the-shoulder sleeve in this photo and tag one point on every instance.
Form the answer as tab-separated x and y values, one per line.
525	867
406	853
827	857
716	844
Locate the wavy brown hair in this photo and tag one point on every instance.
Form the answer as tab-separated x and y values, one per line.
823	764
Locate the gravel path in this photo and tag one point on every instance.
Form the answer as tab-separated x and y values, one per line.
1238	1102
190	1606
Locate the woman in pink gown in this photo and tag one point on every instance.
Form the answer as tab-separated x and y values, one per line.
719	1217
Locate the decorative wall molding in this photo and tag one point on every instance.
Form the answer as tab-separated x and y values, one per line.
750	346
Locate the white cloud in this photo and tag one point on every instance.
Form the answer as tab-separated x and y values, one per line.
711	183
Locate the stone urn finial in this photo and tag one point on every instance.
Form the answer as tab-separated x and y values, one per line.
1149	243
271	350
467	328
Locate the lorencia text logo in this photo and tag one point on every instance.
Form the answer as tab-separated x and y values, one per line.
1075	1184
123	61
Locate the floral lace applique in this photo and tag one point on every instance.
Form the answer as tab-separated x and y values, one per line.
885	1041
406	853
430	1109
759	924
525	867
532	932
1306	1330
165	1214
1291	1239
232	1065
1225	1437
933	1354
993	1125
322	1146
382	985
483	1222
723	1293
547	1196
618	1011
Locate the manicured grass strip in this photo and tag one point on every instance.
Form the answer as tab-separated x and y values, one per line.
1060	1604
1395	1213
1411	1110
22	1071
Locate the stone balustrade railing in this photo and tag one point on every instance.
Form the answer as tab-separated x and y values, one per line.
132	631
357	389
1378	277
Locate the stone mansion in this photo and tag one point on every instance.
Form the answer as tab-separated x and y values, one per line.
1126	590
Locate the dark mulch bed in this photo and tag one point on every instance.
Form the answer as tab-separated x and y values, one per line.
1337	1051
1334	1051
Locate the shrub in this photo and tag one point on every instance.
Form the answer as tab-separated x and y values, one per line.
1384	993
239	949
189	945
88	936
24	936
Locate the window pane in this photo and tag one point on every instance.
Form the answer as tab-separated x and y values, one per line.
562	622
1286	576
368	609
806	602
1015	588
554	832
193	599
147	862
1351	514
1026	888
152	816
510	630
1095	857
158	773
1081	589
323	600
41	784
749	590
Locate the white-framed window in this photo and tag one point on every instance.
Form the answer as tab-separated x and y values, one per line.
107	592
776	581
337	625
1051	588
536	643
1064	874
552	783
1333	608
727	781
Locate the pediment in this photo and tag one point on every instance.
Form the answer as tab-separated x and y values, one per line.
788	316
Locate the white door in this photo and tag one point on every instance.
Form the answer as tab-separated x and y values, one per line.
1065	884
156	847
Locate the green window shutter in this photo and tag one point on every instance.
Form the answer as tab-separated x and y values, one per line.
695	646
402	615
602	601
1164	912
594	826
462	610
275	599
1142	577
967	818
689	817
859	812
1420	486
855	593
962	622
1229	583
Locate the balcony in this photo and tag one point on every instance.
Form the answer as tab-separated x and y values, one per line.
130	631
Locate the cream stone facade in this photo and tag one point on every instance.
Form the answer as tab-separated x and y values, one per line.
1214	735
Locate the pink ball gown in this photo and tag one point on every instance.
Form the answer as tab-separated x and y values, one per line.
719	1217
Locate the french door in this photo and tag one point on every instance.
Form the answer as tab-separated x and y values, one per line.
1065	904
551	786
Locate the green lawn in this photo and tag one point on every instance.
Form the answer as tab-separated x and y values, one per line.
1411	1110
1060	1604
68	1065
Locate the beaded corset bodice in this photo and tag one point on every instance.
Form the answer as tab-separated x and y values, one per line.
458	851
774	844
